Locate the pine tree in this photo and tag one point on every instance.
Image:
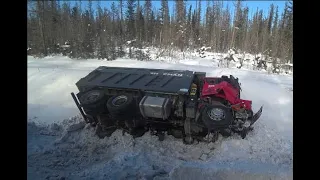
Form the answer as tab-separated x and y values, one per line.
139	25
180	24
76	49
269	28
130	14
147	15
121	28
275	34
288	31
52	24
198	24
189	28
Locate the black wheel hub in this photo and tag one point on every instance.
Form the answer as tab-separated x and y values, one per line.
118	101
216	114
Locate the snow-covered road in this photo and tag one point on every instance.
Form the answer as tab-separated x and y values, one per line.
265	153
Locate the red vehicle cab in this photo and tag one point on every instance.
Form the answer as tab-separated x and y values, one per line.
222	89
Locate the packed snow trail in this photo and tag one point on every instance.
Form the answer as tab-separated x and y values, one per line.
55	153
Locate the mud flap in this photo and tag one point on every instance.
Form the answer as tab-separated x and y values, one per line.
256	116
79	107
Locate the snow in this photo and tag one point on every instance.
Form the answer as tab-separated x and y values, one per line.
204	48
289	64
129	42
65	46
61	147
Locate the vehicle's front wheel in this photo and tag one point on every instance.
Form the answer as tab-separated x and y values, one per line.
216	116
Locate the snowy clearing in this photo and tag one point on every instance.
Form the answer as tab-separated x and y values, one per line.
55	153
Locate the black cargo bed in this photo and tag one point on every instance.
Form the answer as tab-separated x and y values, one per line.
156	80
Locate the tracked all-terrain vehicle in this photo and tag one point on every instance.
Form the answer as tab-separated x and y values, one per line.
184	104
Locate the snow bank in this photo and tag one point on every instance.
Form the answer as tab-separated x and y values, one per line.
83	155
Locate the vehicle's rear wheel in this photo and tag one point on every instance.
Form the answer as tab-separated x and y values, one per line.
94	101
121	106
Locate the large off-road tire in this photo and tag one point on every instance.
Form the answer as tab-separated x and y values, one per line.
94	101
121	105
211	119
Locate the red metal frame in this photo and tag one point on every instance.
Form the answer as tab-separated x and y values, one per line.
226	91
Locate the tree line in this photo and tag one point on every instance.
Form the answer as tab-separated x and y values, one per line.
99	32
